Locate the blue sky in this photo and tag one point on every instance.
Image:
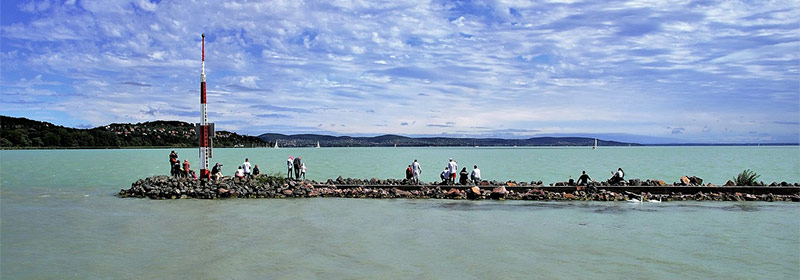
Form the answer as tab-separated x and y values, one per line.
685	71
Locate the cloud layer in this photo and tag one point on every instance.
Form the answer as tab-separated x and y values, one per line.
706	71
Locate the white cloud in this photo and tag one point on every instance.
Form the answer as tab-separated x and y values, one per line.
532	65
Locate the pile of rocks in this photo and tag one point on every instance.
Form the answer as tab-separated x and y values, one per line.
165	187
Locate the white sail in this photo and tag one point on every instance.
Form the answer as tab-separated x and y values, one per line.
595	144
276	144
317	144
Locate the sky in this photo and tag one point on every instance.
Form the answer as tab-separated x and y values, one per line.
652	71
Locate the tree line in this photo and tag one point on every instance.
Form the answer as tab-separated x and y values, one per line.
26	133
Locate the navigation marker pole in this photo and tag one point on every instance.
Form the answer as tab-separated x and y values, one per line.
205	130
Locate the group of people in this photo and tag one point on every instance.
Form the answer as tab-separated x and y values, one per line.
413	171
616	178
246	170
299	167
180	170
448	176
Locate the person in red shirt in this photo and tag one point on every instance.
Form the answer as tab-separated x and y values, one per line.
186	168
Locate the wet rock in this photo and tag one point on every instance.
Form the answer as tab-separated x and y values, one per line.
499	193
452	193
474	193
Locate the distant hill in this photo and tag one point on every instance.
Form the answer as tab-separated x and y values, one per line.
26	133
310	140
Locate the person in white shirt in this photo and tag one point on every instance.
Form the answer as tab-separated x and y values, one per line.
239	172
246	167
476	175
453	166
445	176
617	177
416	169
303	170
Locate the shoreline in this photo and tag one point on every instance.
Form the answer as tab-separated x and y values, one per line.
165	187
424	146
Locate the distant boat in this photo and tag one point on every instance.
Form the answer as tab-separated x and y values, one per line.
276	144
317	144
595	144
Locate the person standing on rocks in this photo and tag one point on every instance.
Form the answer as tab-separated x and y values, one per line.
173	159
186	168
303	170
297	165
476	175
416	169
453	166
246	167
289	167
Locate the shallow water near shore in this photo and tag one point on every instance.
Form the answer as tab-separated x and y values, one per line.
60	219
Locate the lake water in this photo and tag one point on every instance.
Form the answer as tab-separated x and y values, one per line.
59	218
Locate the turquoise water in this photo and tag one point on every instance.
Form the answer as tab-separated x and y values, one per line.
59	219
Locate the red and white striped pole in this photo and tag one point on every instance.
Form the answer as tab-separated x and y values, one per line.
205	131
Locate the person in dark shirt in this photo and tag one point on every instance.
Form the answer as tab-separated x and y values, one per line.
173	159
297	164
462	178
409	173
216	171
584	179
256	171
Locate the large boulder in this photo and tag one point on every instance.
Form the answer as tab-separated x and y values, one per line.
474	193
499	192
696	181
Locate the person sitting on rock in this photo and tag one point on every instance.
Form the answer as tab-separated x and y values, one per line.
462	178
476	175
617	177
583	180
239	172
409	173
256	171
216	171
445	175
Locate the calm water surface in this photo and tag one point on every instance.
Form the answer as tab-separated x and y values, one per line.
59	219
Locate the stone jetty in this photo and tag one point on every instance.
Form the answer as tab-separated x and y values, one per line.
165	187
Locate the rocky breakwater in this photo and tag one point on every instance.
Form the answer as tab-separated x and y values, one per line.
164	187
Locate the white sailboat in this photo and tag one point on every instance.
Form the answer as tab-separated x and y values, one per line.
276	144
317	144
595	144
